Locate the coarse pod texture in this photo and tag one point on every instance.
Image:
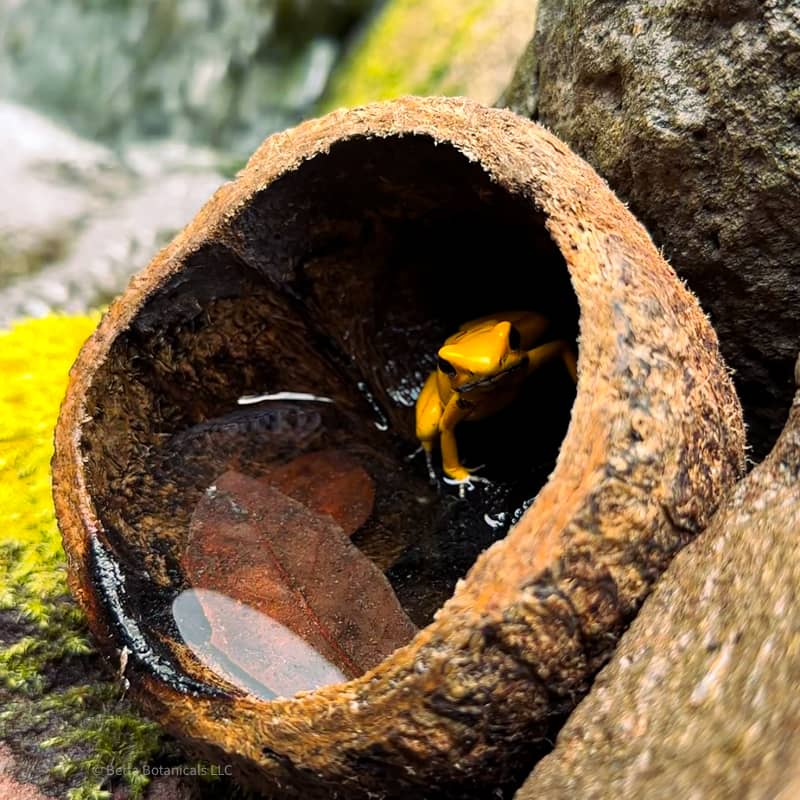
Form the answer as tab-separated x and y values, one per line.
341	255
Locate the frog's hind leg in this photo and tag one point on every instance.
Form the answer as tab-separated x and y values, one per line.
547	352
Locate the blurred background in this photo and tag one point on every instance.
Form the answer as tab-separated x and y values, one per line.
119	118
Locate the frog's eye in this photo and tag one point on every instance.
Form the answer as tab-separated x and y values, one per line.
514	339
445	366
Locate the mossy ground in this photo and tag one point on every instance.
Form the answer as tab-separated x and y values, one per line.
429	47
61	715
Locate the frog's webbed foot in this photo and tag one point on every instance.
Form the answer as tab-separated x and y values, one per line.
466	480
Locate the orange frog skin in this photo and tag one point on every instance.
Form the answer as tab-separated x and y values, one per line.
480	371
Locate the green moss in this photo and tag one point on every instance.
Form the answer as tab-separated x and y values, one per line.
122	743
58	706
91	736
430	47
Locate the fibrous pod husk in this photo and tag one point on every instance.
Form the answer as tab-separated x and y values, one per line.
336	263
701	697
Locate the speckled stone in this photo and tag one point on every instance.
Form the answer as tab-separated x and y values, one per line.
701	698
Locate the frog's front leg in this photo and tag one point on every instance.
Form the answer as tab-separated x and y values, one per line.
560	348
456	410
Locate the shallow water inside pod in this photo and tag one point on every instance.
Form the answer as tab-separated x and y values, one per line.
290	543
293	539
315	545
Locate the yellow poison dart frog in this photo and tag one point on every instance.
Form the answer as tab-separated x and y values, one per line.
480	370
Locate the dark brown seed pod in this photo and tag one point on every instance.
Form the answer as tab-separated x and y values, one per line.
336	263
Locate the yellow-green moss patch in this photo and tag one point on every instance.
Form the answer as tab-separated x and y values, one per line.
59	711
425	47
35	357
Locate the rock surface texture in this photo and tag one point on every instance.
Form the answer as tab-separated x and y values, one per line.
701	697
691	111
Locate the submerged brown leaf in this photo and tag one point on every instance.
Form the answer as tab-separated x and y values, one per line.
322	603
328	482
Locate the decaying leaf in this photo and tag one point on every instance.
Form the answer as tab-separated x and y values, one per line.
297	567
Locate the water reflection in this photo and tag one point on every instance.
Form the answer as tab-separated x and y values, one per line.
281	545
248	648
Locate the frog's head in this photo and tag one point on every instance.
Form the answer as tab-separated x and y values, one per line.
478	357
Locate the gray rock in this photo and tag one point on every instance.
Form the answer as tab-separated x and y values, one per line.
691	111
701	698
80	220
51	181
